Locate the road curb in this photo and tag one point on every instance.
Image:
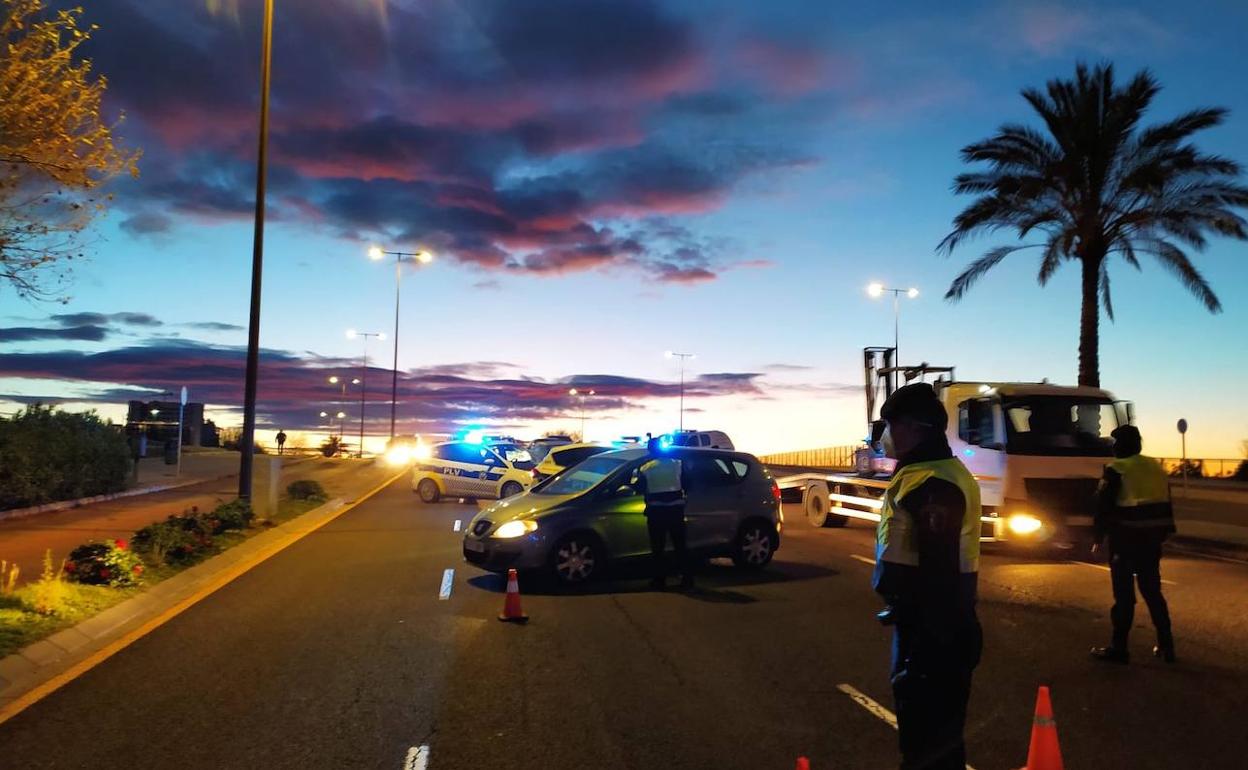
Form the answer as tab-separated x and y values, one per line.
41	668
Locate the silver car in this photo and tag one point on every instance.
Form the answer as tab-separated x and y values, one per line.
578	522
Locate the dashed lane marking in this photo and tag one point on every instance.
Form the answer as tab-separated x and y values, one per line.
457	525
873	707
448	577
862	559
417	758
1103	568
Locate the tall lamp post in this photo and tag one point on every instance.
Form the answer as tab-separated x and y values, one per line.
257	264
877	290
376	254
578	394
352	334
335	380
682	357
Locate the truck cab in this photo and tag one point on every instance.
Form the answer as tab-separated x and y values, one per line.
1037	450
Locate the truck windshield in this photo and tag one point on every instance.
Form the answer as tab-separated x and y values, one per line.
1059	425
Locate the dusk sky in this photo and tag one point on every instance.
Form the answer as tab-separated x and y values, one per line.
601	182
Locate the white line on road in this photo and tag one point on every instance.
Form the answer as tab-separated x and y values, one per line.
417	758
1103	568
862	559
448	577
873	707
456	527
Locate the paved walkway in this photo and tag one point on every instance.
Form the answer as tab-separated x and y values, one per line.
25	540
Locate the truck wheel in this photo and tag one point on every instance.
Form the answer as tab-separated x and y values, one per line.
817	504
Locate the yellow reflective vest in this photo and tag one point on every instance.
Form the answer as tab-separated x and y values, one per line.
895	538
1144	496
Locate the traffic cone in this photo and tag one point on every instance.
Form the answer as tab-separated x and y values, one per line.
511	604
803	763
1044	753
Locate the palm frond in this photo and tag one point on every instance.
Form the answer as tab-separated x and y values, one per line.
980	266
1180	128
1103	287
1055	251
1175	260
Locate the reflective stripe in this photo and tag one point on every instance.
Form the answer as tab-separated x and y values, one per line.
895	537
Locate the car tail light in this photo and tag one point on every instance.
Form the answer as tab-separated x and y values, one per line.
775	491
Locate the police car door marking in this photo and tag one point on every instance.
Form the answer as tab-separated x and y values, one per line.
448	577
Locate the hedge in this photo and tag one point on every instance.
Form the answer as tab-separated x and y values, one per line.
47	455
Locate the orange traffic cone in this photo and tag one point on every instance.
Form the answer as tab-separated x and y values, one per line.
803	763
511	605
1044	753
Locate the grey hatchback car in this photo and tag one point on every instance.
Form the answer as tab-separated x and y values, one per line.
591	515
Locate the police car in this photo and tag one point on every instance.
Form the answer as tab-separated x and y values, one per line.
472	469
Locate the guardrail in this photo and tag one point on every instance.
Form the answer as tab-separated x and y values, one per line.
826	457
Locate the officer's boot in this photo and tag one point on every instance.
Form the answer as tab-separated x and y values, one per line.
1111	654
1165	647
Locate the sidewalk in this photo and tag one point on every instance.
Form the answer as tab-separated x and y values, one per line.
25	540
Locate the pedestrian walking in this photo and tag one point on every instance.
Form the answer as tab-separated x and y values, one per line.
662	481
926	569
281	440
1133	517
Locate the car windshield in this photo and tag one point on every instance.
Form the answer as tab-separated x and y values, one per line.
512	453
583	477
1060	425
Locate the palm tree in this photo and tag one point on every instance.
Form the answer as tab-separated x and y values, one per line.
1096	186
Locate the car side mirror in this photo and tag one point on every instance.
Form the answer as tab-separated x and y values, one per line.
625	490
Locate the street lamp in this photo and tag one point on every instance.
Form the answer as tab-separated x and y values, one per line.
876	289
376	253
247	450
682	357
576	393
334	380
352	334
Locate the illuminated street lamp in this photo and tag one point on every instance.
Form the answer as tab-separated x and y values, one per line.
376	253
876	290
582	396
352	334
682	357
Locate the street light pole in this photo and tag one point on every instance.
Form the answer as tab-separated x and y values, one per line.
877	289
352	334
582	396
423	257
257	265
682	357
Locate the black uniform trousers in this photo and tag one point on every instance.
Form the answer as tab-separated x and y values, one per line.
1131	564
931	688
665	518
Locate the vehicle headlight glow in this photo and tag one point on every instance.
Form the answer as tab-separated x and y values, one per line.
515	529
399	455
1023	523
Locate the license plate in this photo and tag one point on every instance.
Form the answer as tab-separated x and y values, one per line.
476	546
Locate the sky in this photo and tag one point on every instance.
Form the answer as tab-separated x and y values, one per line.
601	182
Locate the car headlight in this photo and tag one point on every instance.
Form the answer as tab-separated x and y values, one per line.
516	528
400	455
1023	523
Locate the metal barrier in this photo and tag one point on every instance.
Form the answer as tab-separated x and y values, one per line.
826	457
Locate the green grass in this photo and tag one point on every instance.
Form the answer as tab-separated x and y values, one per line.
21	625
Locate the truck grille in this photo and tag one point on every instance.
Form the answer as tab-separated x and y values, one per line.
1063	497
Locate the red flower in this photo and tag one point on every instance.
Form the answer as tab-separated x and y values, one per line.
70	566
121	544
137	569
104	573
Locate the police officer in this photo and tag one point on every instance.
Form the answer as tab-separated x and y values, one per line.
662	480
927	563
1134	515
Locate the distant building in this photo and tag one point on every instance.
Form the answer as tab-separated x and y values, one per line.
158	420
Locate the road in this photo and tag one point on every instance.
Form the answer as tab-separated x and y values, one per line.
339	653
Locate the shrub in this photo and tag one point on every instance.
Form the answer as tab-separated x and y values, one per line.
232	515
1241	473
8	577
48	594
332	446
306	489
48	455
107	563
176	540
1195	469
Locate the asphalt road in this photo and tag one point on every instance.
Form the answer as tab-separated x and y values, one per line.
339	653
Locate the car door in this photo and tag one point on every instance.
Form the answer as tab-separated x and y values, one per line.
712	499
619	515
446	459
481	469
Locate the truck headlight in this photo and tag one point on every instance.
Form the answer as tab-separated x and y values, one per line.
515	529
1023	523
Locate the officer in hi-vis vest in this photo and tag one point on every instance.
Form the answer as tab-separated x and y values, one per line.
926	568
662	482
1134	515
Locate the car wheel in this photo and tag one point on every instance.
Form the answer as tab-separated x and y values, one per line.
756	544
428	491
511	489
576	558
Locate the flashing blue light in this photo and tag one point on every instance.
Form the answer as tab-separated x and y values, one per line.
968	452
474	437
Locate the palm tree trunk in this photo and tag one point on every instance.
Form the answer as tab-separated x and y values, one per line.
1089	323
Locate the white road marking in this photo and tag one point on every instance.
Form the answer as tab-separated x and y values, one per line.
417	758
1103	568
456	527
448	577
873	707
862	559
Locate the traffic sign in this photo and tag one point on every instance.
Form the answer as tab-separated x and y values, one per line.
1182	426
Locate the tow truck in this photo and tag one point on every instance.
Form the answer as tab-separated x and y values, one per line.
1036	449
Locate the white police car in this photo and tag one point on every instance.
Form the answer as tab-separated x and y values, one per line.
468	469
